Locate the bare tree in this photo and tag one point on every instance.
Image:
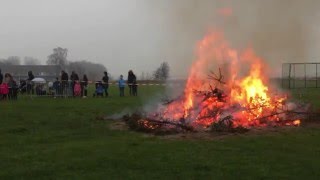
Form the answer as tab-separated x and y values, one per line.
11	60
58	57
31	61
94	71
162	73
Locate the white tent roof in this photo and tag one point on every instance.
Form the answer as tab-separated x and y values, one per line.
39	80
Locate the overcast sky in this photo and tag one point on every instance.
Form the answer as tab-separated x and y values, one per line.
140	34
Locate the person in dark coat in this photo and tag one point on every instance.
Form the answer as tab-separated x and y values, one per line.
84	86
1	77
74	76
64	76
29	83
134	86
64	82
57	87
130	81
30	76
105	81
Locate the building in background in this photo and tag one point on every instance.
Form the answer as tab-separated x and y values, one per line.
20	72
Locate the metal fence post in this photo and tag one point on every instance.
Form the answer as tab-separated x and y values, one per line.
305	75
316	75
294	76
289	77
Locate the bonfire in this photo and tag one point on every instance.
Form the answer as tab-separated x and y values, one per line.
237	96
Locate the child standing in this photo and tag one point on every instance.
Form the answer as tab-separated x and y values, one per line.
121	84
99	89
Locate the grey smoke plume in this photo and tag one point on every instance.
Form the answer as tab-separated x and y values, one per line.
138	34
278	30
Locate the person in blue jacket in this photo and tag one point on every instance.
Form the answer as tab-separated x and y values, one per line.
122	84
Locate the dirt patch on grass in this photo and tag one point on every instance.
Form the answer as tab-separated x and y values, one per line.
118	125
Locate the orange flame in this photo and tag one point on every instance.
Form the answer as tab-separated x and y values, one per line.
247	90
296	122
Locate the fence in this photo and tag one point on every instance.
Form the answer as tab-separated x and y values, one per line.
70	89
65	89
300	75
43	88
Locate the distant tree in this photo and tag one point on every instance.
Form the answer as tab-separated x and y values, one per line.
94	71
31	61
162	73
77	66
58	57
11	60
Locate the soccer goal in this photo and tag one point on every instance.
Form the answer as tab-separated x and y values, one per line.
300	75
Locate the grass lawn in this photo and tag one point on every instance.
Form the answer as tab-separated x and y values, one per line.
45	138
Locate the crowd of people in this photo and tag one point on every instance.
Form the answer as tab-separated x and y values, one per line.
103	86
64	86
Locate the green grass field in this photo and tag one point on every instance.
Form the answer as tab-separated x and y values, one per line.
46	138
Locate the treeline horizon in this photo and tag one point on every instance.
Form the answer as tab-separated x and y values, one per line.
94	71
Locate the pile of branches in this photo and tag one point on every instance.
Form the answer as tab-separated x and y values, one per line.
226	125
139	122
157	124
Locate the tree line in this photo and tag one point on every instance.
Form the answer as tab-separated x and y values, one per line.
59	56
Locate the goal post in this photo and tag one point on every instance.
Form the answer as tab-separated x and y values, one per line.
300	75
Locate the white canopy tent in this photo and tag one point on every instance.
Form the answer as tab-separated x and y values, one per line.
39	80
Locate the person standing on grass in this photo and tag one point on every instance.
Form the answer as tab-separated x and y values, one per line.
1	77
105	82
84	86
57	87
134	86
4	87
121	84
73	77
64	82
131	80
29	82
12	85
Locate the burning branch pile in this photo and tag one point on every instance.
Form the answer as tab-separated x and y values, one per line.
232	103
139	122
214	110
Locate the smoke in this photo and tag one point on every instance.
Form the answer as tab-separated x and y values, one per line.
151	105
278	30
138	34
